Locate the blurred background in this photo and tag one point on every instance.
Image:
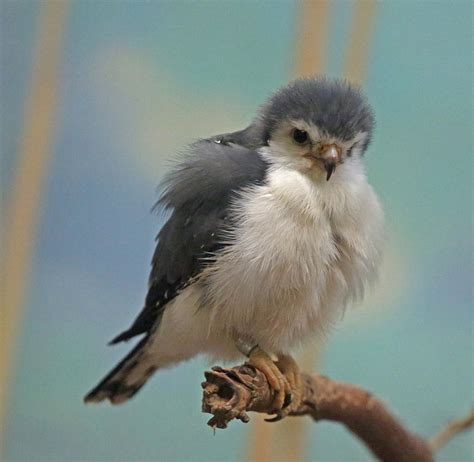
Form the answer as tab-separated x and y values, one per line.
97	95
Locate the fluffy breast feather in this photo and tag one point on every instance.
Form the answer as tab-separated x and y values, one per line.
300	252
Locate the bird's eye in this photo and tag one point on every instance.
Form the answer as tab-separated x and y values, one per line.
300	136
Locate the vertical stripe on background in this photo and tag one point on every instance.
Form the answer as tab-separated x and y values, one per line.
25	198
287	440
360	35
311	37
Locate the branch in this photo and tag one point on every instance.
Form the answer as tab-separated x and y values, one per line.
451	430
230	393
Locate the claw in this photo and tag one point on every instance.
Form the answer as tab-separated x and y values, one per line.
283	378
287	365
277	381
288	400
277	418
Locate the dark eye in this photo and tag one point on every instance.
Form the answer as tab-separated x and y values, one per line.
300	136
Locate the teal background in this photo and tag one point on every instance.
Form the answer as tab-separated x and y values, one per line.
140	80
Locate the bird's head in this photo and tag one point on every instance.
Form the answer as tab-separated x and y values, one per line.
315	125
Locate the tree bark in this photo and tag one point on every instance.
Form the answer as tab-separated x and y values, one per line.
230	393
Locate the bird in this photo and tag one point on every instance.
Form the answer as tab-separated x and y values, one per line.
273	231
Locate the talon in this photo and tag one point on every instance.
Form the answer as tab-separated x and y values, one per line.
287	365
277	418
283	378
277	381
288	400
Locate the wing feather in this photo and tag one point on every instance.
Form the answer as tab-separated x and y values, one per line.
198	192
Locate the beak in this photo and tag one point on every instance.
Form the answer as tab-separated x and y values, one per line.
330	156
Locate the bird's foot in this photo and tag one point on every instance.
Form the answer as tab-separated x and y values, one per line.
290	370
283	378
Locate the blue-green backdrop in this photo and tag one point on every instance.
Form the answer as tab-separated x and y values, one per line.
140	79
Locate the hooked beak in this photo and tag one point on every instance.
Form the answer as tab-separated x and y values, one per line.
330	156
330	169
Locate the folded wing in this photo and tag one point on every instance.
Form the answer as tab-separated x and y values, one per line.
198	192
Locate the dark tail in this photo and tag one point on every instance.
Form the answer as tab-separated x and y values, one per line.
125	379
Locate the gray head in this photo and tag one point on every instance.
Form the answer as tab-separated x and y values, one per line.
317	123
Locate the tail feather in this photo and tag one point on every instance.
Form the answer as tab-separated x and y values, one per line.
125	379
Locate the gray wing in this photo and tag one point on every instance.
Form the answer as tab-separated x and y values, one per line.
198	192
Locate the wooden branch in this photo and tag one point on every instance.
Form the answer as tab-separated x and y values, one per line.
451	430
230	393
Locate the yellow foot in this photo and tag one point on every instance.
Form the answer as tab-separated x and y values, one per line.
283	378
290	370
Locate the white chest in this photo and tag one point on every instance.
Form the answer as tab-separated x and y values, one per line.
300	252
